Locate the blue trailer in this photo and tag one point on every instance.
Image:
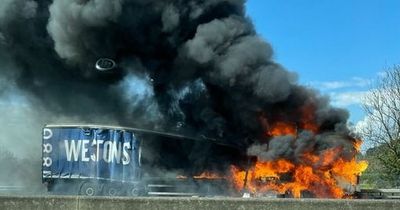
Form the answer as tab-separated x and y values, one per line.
108	160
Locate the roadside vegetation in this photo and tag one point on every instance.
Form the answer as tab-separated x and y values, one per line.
381	130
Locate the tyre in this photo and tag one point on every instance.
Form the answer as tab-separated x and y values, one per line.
112	190
136	190
89	189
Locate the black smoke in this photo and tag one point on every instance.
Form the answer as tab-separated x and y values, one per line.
195	67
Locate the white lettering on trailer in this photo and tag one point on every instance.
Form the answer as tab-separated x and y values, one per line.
47	148
98	149
85	150
126	158
72	150
93	156
106	152
109	151
47	133
47	161
116	152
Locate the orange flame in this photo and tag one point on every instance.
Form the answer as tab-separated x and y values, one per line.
306	122
208	175
357	144
203	175
322	175
282	129
308	118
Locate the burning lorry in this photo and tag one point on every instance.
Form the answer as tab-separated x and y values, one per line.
107	160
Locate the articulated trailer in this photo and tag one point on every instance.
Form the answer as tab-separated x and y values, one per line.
108	160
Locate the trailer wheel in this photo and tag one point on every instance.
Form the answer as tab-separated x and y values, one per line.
111	190
88	189
135	190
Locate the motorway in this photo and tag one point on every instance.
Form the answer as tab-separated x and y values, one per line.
156	203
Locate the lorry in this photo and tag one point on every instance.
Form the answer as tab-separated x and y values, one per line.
110	160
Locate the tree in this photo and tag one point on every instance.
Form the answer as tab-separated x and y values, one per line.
381	127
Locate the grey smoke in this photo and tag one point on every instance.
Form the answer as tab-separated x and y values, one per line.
70	20
294	147
170	18
304	144
215	36
11	9
278	147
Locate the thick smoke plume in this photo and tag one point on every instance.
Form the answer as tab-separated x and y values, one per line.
194	67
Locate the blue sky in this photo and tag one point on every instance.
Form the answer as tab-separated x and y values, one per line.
336	46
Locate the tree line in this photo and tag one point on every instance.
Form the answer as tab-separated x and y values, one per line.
381	131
